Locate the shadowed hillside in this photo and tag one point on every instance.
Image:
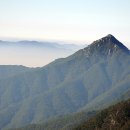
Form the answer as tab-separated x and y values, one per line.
116	117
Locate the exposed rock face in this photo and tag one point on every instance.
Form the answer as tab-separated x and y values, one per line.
105	46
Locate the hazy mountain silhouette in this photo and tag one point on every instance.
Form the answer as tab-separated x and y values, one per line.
93	77
34	53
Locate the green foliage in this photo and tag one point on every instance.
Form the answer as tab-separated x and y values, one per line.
64	122
116	117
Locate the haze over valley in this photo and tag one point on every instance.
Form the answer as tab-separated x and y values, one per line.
64	65
34	53
85	81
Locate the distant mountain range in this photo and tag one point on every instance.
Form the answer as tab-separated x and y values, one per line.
27	43
89	80
34	53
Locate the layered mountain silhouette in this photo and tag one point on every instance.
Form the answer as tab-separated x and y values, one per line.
92	78
30	53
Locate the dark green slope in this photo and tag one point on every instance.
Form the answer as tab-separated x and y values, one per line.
116	117
67	122
60	123
125	96
97	74
71	121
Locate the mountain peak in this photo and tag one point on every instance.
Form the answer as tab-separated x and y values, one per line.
106	46
107	39
110	35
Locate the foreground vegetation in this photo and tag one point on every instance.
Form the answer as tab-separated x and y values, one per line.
116	117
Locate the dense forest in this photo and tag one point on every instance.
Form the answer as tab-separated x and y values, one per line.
116	117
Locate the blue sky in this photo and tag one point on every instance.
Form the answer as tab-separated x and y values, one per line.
69	20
